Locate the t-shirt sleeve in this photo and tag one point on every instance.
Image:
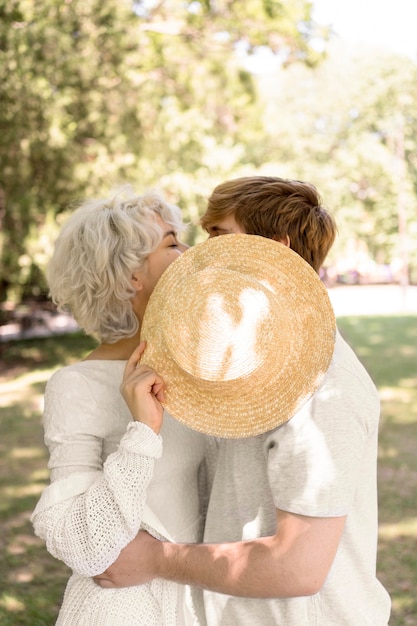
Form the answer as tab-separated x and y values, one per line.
314	460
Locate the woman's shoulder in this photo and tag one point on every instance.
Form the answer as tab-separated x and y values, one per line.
94	373
86	389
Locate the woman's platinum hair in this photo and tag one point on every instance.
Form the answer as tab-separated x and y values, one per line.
99	247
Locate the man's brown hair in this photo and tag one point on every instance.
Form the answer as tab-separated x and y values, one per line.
276	208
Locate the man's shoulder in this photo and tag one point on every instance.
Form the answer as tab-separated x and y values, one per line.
347	370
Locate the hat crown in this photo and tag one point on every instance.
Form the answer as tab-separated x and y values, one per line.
227	333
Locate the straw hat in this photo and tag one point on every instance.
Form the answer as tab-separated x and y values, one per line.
242	331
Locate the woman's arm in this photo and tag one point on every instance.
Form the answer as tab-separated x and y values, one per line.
88	529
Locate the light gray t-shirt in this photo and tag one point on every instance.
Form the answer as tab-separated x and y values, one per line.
322	463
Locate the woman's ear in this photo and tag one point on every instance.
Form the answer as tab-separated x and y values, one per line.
136	281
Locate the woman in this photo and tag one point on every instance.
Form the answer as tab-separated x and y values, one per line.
108	474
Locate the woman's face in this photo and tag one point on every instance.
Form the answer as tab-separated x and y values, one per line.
168	250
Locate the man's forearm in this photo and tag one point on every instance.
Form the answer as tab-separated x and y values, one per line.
294	562
248	569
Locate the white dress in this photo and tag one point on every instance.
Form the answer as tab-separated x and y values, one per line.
108	477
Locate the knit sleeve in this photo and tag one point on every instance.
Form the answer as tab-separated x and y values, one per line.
91	510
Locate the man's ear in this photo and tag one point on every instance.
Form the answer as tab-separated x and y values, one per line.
136	281
286	241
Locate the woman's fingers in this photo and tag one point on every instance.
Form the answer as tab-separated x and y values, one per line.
158	390
144	391
134	359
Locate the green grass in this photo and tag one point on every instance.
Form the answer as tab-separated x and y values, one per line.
388	348
32	582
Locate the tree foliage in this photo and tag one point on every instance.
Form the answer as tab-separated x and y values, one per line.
349	127
158	93
98	93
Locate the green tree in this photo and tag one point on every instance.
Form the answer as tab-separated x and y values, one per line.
340	125
98	93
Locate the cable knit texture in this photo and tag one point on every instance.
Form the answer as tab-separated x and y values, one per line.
104	468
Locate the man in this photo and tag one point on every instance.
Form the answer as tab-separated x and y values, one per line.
291	527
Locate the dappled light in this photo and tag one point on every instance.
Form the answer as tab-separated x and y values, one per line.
182	96
406	528
236	334
11	603
20	390
21	491
227	339
21	576
35	581
40	475
386	345
398	394
26	453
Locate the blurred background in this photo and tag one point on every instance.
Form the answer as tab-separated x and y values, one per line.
181	95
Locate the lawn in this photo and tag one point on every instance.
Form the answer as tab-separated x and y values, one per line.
32	582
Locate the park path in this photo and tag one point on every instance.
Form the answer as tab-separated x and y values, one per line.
374	300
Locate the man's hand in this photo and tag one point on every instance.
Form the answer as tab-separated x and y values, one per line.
143	391
135	564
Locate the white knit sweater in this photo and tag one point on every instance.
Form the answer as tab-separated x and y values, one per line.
106	471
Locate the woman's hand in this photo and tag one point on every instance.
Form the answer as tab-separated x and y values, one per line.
143	391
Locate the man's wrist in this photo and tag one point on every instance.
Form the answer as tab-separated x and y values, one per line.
164	558
170	562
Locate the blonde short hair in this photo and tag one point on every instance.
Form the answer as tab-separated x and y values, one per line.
99	247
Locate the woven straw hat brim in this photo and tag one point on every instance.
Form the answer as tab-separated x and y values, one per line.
242	331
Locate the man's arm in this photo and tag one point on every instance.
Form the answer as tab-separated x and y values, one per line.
293	562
